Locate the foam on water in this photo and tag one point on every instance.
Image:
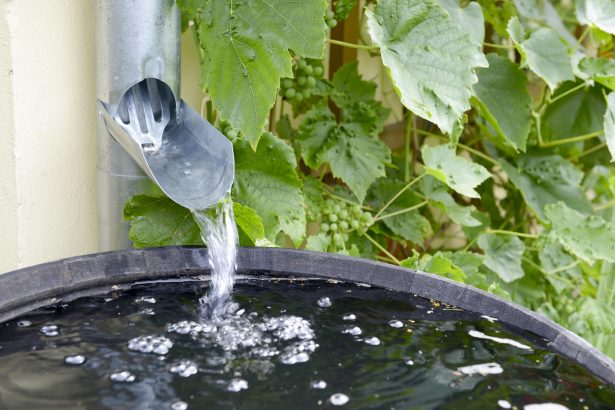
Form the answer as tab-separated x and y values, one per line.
219	232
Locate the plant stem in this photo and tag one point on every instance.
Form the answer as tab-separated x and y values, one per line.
581	38
402	211
588	151
401	191
324	171
504	232
462	146
351	45
407	131
382	249
564	268
572	139
493	45
605	205
565	93
348	201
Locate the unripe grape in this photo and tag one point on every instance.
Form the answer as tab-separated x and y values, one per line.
307	94
337	237
302	64
345	237
329	14
344	225
333	227
290	93
366	216
318	71
311	81
232	134
356	209
337	208
301	80
324	227
343	214
331	22
309	69
298	97
333	217
354	224
287	83
330	203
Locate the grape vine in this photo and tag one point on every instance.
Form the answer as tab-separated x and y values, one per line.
470	139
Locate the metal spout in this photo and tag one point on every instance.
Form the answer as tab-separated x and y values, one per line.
155	134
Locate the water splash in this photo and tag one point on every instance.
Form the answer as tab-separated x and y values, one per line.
219	232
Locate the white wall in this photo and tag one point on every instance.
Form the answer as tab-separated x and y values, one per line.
47	131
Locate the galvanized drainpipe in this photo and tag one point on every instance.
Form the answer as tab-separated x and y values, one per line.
135	39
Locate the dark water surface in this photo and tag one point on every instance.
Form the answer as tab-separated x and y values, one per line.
285	346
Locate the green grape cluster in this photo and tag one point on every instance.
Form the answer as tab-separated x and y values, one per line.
330	18
340	219
305	73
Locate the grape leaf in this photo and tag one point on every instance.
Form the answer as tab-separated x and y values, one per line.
313	192
435	191
430	59
503	255
544	53
542	11
599	69
589	237
158	221
458	173
498	13
469	19
249	224
598	13
503	98
553	258
547	179
354	155
245	47
410	226
266	181
609	124
437	263
574	114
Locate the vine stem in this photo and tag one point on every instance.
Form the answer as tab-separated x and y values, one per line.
382	249
605	205
572	139
402	211
401	191
581	38
565	93
407	132
513	233
462	146
493	45
588	151
348	201
351	45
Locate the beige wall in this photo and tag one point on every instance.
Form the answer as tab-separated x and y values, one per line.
47	131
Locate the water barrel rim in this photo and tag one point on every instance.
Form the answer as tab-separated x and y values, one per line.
29	288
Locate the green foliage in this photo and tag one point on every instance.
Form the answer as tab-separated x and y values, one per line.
497	173
458	173
419	37
245	51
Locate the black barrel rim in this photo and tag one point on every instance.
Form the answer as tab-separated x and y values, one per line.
26	289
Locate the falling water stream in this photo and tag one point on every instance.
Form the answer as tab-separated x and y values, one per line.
219	232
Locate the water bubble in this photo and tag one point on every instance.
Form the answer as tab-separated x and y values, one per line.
374	341
504	404
24	323
237	385
396	324
409	362
75	360
150	344
350	316
50	330
355	331
298	352
483	369
324	302
319	384
179	405
187	172
123	376
146	311
145	299
339	399
184	368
